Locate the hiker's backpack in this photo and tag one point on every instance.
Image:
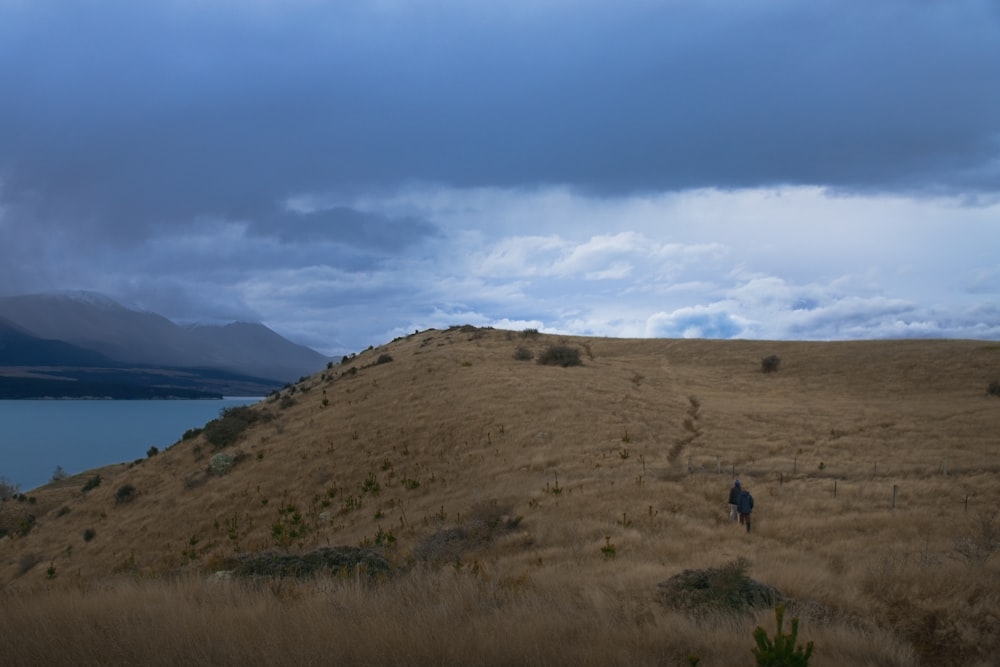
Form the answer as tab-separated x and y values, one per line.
745	503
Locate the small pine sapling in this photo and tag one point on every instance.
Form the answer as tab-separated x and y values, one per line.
781	651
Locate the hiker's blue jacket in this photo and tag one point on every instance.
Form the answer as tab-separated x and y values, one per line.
745	503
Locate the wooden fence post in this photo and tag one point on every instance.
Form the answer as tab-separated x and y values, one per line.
834	488
893	496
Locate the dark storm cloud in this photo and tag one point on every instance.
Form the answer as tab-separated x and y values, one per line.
342	225
436	161
122	113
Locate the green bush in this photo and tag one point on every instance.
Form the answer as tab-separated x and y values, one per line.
560	355
230	425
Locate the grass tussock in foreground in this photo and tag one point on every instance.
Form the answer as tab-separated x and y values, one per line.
440	617
536	513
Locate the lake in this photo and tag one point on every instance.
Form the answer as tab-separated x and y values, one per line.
37	436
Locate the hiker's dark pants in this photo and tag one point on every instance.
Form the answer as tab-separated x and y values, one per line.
745	520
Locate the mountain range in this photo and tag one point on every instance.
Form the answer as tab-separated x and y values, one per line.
86	344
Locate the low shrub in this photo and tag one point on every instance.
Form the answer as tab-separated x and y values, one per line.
230	425
124	494
91	483
89	534
523	354
560	355
329	560
726	590
25	525
770	364
994	388
223	463
152	451
7	489
383	359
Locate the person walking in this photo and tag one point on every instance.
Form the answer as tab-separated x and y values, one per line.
734	495
744	505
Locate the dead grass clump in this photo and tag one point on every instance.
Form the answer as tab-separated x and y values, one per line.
27	561
978	546
486	522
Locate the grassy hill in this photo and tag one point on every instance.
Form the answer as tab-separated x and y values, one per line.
541	514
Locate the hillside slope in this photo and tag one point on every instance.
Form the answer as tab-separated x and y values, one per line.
629	454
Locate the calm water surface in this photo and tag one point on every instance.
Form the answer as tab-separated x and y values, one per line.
37	436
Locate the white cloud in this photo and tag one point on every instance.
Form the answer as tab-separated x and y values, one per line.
799	263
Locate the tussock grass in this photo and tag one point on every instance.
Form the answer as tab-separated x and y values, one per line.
478	429
440	617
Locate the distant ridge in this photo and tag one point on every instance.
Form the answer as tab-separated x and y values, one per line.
98	324
86	344
18	347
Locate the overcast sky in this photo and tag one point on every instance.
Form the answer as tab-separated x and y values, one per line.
351	171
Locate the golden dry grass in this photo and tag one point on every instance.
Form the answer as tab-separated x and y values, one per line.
635	448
